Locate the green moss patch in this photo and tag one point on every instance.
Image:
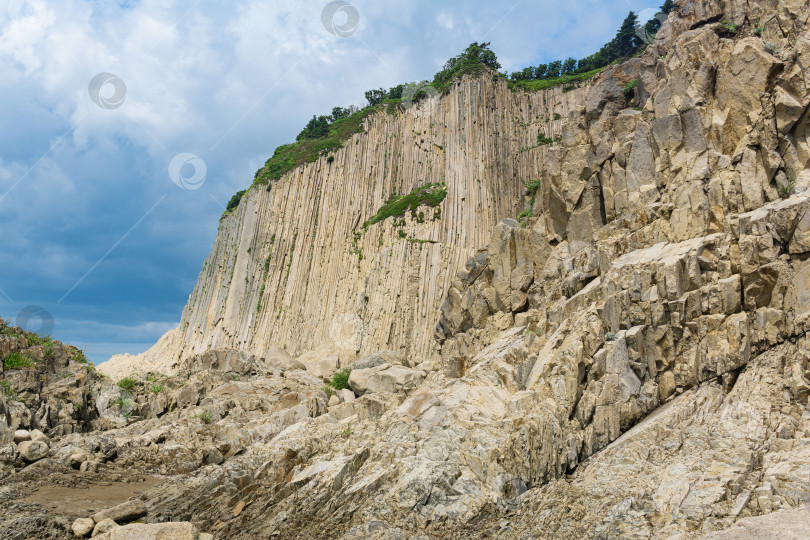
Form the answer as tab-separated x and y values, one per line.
430	195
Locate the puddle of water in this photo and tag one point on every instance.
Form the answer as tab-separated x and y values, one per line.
81	502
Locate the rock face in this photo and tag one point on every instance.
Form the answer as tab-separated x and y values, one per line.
630	362
285	270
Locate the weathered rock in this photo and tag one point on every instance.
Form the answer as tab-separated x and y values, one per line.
21	435
377	359
384	378
283	359
122	513
8	454
786	524
104	526
155	531
321	366
32	451
83	527
77	458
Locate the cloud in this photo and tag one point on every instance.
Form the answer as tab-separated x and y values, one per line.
87	189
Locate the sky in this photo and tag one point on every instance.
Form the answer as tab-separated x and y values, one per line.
127	126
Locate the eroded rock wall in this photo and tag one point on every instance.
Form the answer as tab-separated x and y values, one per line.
284	270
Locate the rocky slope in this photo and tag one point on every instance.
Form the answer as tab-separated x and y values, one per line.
632	363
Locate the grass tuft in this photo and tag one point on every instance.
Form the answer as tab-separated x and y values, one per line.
18	360
340	380
128	383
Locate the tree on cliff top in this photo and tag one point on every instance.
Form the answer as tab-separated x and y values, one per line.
472	60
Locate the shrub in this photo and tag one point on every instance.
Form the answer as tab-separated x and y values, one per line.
289	156
8	390
128	383
78	356
233	204
48	350
430	195
758	29
771	48
630	87
156	388
473	60
340	380
204	416
542	140
17	360
611	336
788	189
524	216
531	187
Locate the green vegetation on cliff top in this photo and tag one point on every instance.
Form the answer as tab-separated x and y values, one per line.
325	134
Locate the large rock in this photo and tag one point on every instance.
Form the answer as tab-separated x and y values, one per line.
122	513
282	359
384	378
323	366
83	527
377	359
154	531
104	526
32	451
785	525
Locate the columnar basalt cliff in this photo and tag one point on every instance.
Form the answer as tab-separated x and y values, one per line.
630	360
286	270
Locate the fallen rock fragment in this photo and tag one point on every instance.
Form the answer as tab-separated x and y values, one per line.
83	527
32	451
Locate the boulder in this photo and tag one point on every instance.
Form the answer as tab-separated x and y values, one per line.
37	435
377	359
77	457
32	451
155	531
104	526
8	454
323	367
282	359
384	378
83	527
122	513
22	435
